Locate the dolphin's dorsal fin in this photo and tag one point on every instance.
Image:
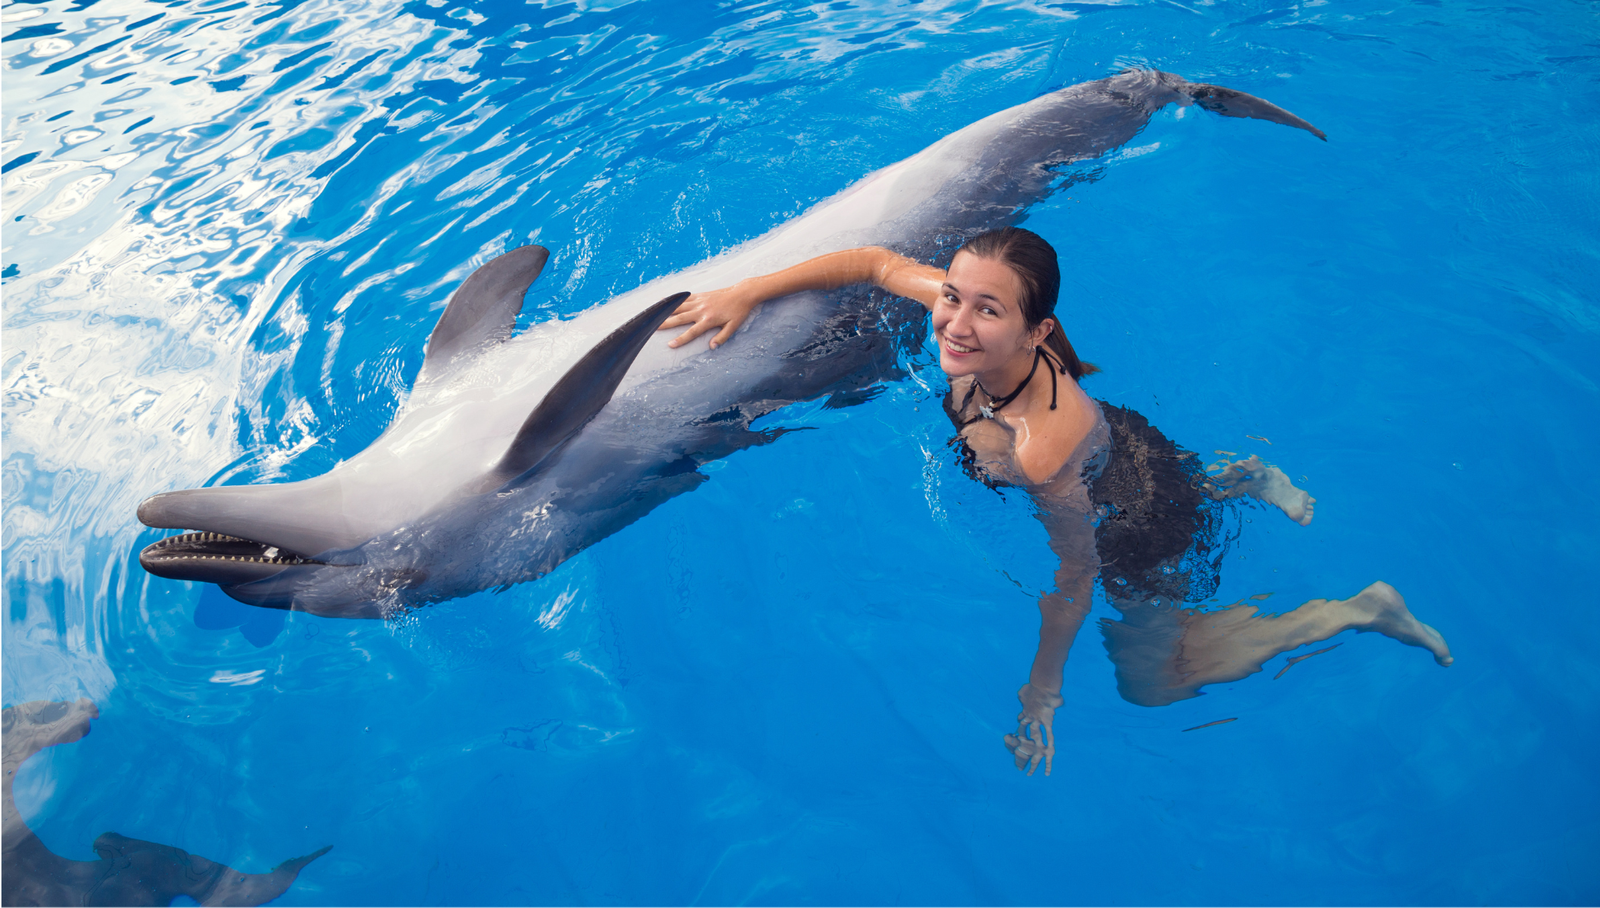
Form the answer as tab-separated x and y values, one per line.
484	308
579	395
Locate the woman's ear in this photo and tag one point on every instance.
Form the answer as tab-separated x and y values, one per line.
1042	331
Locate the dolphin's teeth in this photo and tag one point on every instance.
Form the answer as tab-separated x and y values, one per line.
204	546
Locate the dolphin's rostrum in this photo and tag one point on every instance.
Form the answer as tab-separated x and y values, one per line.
514	453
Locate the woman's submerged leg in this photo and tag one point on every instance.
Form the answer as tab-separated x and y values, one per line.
1165	654
1265	483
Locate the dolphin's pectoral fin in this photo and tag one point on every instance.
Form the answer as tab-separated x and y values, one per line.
1230	103
851	397
579	395
217	611
484	307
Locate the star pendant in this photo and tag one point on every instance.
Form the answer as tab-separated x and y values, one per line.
987	411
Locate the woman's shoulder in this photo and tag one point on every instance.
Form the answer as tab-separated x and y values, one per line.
1073	435
1048	458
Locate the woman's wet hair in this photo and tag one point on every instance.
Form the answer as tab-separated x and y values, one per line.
1034	263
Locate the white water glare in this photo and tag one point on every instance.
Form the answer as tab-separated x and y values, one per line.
161	160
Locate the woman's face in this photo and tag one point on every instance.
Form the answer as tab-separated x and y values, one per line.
979	321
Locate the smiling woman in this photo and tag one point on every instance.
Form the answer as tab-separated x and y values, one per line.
995	322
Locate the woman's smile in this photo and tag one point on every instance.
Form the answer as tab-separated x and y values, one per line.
979	321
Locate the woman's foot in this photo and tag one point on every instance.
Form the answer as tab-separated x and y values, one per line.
1390	617
1267	483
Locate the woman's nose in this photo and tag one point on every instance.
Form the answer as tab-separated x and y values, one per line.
959	322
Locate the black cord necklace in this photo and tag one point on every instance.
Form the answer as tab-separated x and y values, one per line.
996	404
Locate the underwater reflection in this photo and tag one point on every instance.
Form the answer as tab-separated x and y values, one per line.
129	871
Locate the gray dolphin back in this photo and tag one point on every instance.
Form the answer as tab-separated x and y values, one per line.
1018	161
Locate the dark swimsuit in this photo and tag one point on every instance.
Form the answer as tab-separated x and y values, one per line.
1158	535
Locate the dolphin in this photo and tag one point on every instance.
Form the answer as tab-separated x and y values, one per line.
513	453
128	871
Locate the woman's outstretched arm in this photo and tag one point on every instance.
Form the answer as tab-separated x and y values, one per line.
729	307
1061	614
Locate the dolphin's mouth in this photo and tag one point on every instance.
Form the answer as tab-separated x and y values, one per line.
218	558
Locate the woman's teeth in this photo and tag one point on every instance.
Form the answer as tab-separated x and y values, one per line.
957	348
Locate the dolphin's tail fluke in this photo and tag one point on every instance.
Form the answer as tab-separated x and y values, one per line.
1230	103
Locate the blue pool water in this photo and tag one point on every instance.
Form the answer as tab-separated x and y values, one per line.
230	226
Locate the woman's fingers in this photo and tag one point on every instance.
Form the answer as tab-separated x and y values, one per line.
1021	749
699	319
700	322
1032	745
1034	742
688	311
1038	752
726	332
695	330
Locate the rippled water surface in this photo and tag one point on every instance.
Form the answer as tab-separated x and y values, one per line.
230	226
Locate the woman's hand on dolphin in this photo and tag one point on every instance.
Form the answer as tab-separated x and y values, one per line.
1035	738
726	308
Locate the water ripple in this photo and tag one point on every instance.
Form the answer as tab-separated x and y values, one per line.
231	225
